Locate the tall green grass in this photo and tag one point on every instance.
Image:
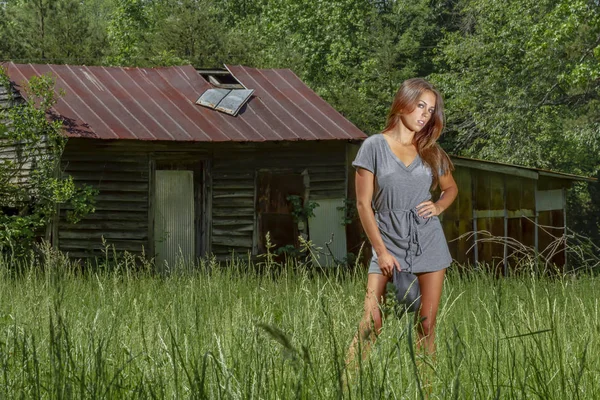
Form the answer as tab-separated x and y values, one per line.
228	332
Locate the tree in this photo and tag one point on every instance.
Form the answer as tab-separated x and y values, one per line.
30	181
354	53
522	85
57	31
128	32
521	82
189	31
402	36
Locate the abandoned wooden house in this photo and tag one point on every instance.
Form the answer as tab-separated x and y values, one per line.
182	179
190	163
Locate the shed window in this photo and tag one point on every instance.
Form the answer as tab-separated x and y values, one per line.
273	210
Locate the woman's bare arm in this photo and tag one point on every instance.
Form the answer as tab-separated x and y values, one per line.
448	195
364	182
449	192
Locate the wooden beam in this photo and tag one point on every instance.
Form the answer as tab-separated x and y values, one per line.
503	214
151	206
207	192
255	232
494	167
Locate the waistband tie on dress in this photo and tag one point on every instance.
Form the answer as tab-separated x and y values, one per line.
413	234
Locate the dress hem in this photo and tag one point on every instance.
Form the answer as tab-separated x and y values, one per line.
414	272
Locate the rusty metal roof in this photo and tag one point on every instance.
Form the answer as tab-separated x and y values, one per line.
159	104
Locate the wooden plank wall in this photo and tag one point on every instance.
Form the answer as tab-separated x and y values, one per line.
488	193
550	231
121	216
6	97
520	204
501	205
121	170
457	219
234	181
551	226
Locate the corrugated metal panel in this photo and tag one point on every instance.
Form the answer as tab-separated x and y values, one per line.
547	200
290	103
174	233
159	104
327	222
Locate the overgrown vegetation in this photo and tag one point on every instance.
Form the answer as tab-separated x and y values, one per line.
230	332
31	185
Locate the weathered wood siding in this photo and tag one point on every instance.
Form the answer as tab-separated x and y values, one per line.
458	218
6	97
121	216
234	174
122	171
496	205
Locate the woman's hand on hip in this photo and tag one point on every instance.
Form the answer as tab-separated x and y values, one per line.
428	209
387	262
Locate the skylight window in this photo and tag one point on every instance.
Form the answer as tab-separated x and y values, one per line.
229	101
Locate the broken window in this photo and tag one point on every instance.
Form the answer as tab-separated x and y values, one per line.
274	211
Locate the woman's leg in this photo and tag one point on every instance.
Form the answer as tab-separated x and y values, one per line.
370	324
431	291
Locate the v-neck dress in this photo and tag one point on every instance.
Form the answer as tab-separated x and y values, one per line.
418	243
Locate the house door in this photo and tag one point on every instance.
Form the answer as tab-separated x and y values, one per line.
174	219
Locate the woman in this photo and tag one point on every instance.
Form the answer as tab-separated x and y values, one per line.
395	171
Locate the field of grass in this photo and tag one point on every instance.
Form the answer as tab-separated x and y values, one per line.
231	333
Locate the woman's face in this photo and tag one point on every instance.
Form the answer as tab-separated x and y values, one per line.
420	116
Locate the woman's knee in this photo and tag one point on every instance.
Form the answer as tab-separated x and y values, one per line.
370	324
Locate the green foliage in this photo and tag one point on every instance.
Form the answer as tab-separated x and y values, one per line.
301	211
349	211
55	31
30	183
191	31
354	53
520	82
289	250
127	33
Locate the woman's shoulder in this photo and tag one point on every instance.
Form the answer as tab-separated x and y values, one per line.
375	137
372	140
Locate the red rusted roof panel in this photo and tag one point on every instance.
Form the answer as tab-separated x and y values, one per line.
295	104
159	104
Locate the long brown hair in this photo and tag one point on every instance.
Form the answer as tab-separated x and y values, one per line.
425	140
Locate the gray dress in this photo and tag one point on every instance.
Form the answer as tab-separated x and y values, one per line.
418	243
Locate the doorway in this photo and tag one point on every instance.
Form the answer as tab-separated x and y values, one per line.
177	210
